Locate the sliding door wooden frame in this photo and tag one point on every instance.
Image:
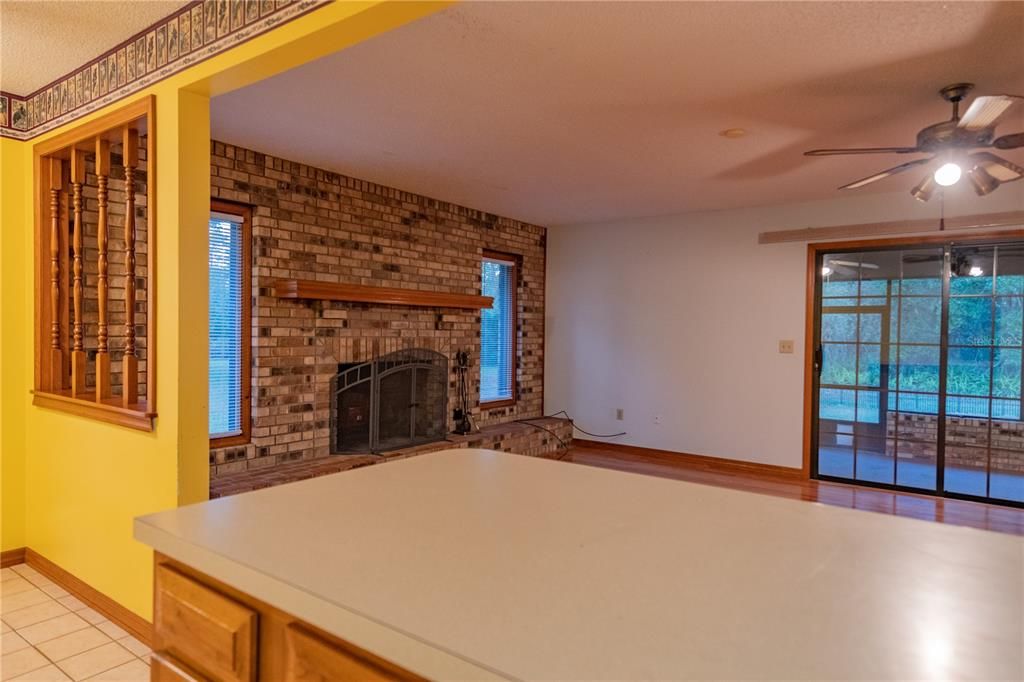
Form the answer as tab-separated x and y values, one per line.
814	251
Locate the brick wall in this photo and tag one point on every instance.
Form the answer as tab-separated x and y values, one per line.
314	224
967	441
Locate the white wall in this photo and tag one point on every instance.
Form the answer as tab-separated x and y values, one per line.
681	317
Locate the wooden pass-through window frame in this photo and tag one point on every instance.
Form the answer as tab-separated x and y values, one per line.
61	359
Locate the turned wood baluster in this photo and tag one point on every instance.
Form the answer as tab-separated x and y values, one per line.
78	360
102	354
55	182
130	365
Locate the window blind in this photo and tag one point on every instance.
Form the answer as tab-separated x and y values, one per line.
225	325
498	331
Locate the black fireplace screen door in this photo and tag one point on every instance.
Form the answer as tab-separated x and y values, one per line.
395	401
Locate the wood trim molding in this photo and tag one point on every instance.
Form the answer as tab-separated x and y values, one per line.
809	318
1008	219
110	412
361	293
139	627
12	557
707	463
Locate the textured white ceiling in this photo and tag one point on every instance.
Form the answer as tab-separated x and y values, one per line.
570	112
41	40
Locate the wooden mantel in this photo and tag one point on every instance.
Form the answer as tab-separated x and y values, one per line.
361	293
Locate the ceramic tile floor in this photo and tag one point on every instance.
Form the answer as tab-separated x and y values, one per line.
47	634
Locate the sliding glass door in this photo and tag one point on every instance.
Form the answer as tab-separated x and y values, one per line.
918	369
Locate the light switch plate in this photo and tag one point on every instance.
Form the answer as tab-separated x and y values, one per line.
786	346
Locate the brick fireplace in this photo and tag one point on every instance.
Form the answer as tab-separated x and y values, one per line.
312	224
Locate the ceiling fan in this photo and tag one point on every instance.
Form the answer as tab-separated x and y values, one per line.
951	142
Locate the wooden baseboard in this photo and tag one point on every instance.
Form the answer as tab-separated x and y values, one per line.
702	462
12	557
135	624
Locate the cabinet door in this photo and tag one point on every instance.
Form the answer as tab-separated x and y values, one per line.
204	629
164	668
310	658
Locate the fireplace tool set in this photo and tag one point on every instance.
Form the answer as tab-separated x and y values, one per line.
463	421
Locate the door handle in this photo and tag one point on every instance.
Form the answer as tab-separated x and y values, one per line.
818	357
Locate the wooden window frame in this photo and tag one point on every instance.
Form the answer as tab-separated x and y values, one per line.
245	212
139	115
516	261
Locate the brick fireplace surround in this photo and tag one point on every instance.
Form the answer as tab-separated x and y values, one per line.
313	224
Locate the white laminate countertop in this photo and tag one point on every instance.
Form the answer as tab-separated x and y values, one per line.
473	563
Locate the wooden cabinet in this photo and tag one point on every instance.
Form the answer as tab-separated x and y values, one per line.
163	668
205	630
313	659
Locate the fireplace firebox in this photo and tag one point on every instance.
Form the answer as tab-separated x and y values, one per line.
394	401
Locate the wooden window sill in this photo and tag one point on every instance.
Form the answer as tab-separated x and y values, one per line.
110	410
495	404
230	441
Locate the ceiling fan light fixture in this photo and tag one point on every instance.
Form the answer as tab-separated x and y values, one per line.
948	174
982	181
924	190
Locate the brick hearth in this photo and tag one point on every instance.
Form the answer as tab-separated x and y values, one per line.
516	437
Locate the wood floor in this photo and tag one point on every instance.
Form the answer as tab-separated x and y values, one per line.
954	512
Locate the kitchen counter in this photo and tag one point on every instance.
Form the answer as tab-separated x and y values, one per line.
477	564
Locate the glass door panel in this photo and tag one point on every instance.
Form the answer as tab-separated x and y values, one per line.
854	366
919	383
984	457
878	406
912	418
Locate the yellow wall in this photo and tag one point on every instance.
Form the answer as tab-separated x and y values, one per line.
14	372
72	486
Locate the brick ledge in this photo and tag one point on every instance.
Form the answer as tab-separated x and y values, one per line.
514	437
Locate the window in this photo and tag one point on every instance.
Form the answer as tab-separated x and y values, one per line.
230	389
498	331
95	353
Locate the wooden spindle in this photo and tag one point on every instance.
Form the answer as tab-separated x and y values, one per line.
102	354
55	182
78	360
130	365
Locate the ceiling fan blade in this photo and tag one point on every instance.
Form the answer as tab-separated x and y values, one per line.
999	168
985	112
1012	141
886	173
863	150
854	264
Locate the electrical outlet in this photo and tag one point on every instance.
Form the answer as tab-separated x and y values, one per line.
619	414
786	346
657	419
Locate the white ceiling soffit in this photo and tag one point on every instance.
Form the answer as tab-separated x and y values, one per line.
42	40
573	112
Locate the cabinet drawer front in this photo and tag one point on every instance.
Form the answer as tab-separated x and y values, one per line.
310	658
207	631
163	668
